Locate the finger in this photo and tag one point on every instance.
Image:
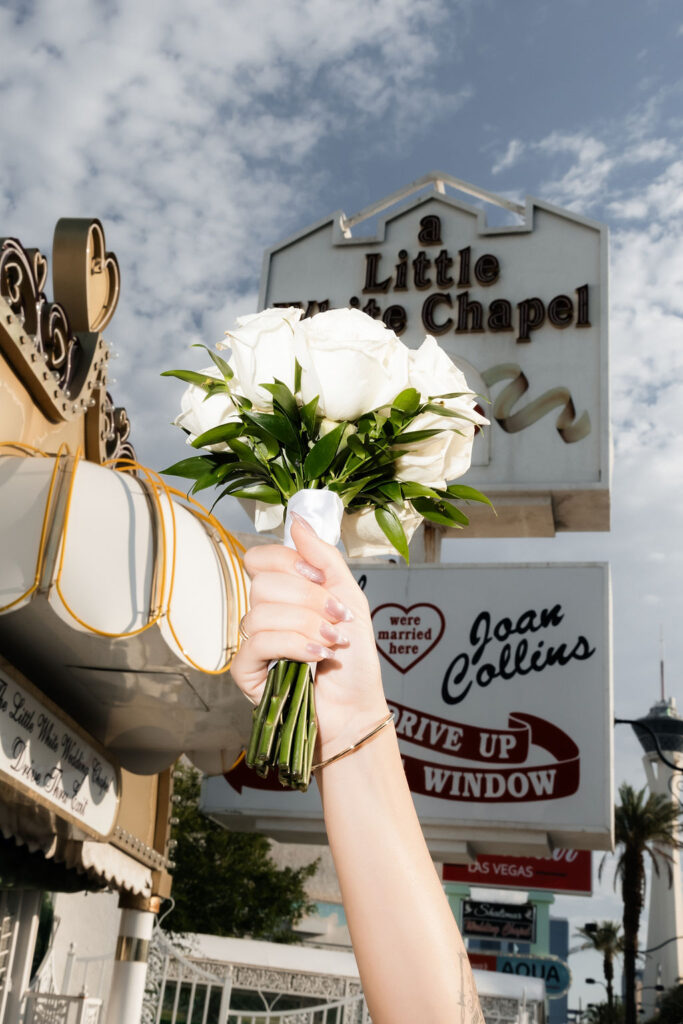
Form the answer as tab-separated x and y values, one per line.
281	588
278	558
250	665
325	557
268	617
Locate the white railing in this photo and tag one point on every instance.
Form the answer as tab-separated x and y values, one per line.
50	1008
345	1011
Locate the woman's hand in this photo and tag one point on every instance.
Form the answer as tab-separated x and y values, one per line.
306	606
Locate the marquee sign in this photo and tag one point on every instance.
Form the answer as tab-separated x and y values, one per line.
514	922
522	308
51	760
499	680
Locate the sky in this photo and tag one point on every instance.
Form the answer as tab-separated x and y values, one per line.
202	133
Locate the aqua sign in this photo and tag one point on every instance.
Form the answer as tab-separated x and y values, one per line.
553	971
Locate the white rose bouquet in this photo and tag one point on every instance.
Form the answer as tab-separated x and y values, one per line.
333	417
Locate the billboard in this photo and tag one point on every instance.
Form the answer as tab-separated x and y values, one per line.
521	307
565	871
499	677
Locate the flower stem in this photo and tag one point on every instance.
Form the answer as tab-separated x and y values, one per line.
284	726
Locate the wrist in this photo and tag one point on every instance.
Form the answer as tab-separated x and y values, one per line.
355	731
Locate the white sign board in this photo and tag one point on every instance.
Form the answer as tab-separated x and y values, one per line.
500	680
523	310
49	760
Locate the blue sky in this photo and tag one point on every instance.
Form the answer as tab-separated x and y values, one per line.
202	133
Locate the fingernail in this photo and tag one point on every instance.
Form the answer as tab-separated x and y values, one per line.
338	610
309	571
302	522
333	635
318	651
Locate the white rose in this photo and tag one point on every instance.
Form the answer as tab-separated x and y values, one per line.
262	347
266	518
447	455
199	413
352	362
362	536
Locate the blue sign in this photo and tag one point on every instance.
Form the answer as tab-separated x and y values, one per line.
554	972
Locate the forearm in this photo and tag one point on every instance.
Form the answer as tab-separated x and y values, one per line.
411	958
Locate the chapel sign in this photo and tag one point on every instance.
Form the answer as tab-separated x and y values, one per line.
50	760
521	307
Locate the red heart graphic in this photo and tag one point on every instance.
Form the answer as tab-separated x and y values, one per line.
402	634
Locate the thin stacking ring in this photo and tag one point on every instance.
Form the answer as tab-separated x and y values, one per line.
241	630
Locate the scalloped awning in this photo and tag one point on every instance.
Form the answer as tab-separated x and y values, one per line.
120	599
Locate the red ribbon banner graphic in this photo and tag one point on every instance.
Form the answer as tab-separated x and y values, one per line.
467	741
512	783
552	781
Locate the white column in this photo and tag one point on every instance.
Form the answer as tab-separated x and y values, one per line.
27	916
130	966
665	918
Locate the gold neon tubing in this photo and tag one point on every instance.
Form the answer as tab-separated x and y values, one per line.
230	543
156	484
57	582
46	516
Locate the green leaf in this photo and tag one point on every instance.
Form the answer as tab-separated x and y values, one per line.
391	490
467	493
307	413
297	376
283	397
275	424
410	436
390	525
322	453
407	401
450	394
190	377
224	432
348	492
414	490
242	403
191	468
220	363
440	512
283	479
218	387
443	410
245	453
359	447
258	491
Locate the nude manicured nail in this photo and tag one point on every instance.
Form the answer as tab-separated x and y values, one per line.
338	610
309	571
318	651
302	522
332	635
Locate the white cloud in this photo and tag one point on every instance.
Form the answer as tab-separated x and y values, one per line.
194	132
510	157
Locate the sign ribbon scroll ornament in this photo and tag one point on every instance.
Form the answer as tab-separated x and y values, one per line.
570	427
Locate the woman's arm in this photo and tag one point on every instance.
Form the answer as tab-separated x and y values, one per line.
306	605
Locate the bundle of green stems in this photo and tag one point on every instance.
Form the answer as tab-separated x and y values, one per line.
284	728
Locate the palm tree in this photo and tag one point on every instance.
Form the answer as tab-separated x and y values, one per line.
641	826
606	938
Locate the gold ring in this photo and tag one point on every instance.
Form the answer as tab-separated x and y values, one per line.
241	630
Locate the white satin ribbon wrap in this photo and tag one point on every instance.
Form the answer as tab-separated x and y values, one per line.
323	509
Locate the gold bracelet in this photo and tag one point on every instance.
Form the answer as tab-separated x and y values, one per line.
354	746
